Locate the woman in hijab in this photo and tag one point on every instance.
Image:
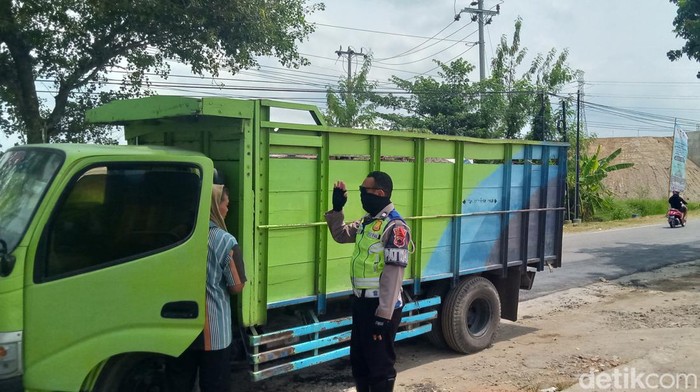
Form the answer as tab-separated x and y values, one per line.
210	353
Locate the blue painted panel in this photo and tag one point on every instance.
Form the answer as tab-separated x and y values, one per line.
480	235
516	198
476	254
439	260
536	152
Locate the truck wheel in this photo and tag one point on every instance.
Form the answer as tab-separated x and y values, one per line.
435	336
470	315
133	373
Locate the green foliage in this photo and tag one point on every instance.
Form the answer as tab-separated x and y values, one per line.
645	207
448	106
514	107
613	210
687	26
593	170
528	97
498	107
624	208
70	46
351	105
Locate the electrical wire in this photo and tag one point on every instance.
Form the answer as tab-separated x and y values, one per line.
378	32
434	54
437	41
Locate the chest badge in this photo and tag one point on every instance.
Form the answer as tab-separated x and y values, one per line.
377	226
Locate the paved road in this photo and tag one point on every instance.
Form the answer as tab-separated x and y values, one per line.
610	254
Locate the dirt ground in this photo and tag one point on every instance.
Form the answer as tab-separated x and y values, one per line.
649	177
646	322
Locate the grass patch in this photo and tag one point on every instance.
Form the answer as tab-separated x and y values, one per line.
616	224
619	209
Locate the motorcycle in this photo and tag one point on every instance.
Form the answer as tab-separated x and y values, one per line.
675	218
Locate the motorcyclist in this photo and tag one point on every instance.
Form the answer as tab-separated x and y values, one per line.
677	202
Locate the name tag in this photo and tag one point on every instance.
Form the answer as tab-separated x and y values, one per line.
373	235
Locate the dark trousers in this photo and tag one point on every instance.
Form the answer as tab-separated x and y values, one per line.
214	370
372	360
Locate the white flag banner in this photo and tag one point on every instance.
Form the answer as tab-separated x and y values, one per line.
680	155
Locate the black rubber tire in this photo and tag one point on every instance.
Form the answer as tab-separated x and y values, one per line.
470	315
435	336
139	372
672	224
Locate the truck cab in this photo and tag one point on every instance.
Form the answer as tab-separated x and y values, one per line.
82	230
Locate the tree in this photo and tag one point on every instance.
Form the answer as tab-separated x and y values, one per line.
351	106
687	26
70	46
527	98
515	103
447	106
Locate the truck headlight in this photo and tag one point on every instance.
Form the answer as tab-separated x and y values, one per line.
10	354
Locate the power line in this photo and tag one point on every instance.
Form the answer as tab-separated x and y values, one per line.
379	32
434	54
437	41
447	62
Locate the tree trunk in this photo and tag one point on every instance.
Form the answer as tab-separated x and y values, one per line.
23	87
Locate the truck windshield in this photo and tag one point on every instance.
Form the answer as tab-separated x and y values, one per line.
25	175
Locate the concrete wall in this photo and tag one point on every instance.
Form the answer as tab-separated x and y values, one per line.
694	147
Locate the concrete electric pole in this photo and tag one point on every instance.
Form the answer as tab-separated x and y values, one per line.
478	15
350	53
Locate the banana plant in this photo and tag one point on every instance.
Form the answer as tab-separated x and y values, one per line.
593	195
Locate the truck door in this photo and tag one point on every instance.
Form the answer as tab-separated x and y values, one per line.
119	267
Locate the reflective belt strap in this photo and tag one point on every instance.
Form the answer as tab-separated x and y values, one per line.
366	293
366	283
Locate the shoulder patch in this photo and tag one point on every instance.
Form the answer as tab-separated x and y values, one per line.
399	236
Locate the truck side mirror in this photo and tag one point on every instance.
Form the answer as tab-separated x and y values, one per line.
7	262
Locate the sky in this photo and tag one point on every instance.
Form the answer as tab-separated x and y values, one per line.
629	86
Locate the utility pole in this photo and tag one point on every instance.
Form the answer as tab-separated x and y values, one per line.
350	53
478	15
563	121
578	166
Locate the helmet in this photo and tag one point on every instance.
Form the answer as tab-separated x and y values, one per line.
675	192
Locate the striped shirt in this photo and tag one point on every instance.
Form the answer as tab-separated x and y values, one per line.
221	272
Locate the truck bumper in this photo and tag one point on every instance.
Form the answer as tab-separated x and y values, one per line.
13	384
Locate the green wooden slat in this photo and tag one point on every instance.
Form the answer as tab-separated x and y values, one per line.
375	153
155	107
295	140
258	305
439	149
227	107
483	151
392	146
324	204
417	226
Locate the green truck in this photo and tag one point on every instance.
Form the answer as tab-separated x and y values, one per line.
103	248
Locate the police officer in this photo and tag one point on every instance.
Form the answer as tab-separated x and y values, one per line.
382	241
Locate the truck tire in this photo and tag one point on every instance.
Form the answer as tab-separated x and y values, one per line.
470	315
140	372
435	336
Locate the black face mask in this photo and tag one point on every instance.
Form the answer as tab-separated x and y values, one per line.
373	203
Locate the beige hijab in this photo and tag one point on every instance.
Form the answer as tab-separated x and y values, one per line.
214	214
